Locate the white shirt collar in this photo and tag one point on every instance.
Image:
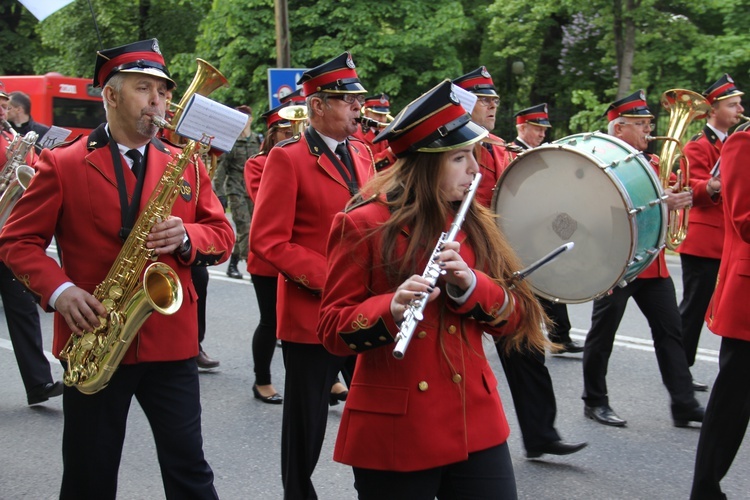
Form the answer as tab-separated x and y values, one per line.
721	135
125	149
331	143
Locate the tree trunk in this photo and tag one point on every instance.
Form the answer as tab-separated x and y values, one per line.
624	45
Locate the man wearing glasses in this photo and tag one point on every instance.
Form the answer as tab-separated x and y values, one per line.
307	180
654	293
528	378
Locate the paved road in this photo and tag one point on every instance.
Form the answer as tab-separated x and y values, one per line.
649	459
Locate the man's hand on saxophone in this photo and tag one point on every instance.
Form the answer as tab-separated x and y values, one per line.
80	309
166	236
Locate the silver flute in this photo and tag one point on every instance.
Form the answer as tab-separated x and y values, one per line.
415	309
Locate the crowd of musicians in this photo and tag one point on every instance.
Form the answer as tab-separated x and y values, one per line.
339	213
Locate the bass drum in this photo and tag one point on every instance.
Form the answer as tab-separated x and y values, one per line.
594	190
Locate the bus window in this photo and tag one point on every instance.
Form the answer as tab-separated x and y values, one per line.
77	113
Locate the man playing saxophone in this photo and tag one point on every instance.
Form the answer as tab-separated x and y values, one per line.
87	194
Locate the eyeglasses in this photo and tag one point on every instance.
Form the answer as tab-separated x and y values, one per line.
349	98
649	125
486	101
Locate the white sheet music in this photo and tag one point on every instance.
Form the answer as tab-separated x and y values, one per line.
55	135
205	119
466	98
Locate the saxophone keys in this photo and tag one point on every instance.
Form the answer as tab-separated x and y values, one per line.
115	292
87	341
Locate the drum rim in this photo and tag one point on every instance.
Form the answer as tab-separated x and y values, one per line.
620	188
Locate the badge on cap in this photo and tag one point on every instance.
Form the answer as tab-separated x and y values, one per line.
454	98
485	73
155	46
350	62
642	95
729	79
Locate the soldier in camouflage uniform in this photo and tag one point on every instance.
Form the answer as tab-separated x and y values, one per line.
229	184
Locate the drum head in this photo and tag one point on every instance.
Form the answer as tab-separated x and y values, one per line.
554	194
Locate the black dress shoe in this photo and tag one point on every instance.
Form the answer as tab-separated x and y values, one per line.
604	415
683	418
42	393
555	448
274	399
569	347
700	386
334	398
205	362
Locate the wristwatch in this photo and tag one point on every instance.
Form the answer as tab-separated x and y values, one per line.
184	249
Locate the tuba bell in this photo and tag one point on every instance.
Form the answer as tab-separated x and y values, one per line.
684	106
297	115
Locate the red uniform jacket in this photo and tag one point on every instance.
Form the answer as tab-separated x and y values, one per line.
728	315
493	158
74	198
658	268
369	135
253	170
706	218
300	192
440	402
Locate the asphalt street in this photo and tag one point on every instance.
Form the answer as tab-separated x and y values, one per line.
648	459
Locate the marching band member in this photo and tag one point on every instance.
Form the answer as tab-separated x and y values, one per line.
700	253
264	275
528	378
728	410
432	423
306	181
532	124
492	154
80	196
375	108
21	313
653	292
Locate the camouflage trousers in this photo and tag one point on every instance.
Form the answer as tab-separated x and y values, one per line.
242	211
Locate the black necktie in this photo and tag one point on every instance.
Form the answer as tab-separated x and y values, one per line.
137	158
343	153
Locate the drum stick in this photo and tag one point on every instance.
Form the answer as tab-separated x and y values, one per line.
524	273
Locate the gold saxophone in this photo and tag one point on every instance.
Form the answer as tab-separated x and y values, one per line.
128	297
16	174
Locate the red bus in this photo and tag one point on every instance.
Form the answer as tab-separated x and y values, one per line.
64	101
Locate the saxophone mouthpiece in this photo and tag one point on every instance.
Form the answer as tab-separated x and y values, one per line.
159	121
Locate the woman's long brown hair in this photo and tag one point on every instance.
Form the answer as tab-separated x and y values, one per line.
411	189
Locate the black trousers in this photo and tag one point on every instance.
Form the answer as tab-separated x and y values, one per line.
558	313
25	331
656	299
310	372
264	338
486	474
533	395
725	424
94	430
200	282
698	281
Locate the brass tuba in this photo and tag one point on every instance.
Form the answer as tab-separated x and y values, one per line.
684	106
128	293
297	115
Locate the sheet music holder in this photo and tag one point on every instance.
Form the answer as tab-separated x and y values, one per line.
204	117
53	137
